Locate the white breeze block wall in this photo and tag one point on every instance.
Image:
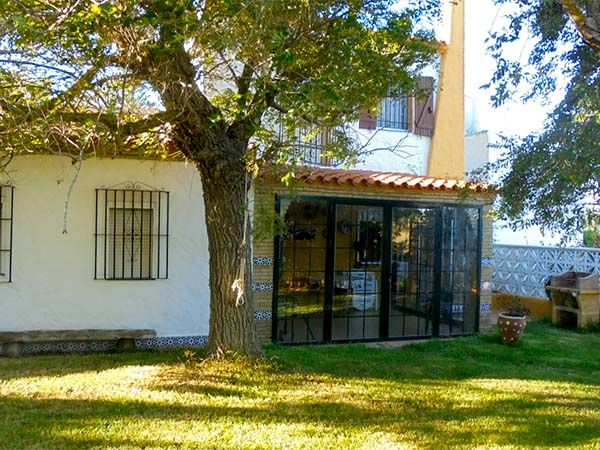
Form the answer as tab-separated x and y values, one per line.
53	285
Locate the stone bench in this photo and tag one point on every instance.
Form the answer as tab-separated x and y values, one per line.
14	341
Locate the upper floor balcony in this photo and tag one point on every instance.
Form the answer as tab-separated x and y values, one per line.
398	127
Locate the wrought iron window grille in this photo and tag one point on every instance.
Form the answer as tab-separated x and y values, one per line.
6	232
310	147
131	232
394	113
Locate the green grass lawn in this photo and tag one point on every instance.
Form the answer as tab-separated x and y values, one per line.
468	392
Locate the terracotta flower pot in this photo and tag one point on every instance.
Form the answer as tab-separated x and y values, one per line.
511	328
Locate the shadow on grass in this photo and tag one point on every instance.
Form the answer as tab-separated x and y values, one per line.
28	422
66	364
466	392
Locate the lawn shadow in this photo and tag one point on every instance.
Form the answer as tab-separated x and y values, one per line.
443	393
443	423
46	365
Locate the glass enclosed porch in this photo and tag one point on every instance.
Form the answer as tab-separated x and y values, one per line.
361	270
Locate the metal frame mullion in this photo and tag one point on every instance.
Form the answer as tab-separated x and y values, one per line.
479	271
329	271
437	273
276	275
386	273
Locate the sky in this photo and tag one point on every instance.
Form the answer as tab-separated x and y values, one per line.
514	117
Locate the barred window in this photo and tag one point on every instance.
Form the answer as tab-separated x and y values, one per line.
309	147
132	233
6	233
393	113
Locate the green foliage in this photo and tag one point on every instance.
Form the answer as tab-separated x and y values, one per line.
86	76
591	231
512	306
550	178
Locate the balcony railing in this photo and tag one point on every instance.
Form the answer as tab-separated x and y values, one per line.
308	147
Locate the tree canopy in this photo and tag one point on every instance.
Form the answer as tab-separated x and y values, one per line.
551	178
99	75
84	78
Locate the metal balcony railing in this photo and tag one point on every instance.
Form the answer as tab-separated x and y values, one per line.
310	148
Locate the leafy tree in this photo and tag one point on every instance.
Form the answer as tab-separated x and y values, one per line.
207	78
551	178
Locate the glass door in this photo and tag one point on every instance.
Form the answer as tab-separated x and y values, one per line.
412	285
356	304
459	275
301	284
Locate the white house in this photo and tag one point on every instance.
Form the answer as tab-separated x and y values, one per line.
122	244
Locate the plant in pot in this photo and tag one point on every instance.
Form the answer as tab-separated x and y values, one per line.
512	321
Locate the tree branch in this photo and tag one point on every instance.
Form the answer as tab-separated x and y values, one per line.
38	65
587	26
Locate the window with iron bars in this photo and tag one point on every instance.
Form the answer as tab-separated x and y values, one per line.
6	233
131	233
308	146
394	113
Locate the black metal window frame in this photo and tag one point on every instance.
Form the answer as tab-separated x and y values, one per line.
394	113
7	196
132	229
388	205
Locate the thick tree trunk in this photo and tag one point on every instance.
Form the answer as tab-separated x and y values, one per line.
225	186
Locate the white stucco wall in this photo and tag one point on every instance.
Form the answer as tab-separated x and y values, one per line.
392	150
53	285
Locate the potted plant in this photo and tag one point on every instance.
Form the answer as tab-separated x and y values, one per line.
512	321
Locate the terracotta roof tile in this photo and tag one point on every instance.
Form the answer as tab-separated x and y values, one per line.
353	177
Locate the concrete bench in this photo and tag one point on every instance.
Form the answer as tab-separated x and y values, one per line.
14	341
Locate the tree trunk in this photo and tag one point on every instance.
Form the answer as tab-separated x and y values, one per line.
225	186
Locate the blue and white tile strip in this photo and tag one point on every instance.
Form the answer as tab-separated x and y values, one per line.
107	346
262	286
263	314
485	307
171	342
263	261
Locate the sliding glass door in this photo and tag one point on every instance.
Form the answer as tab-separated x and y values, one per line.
348	270
357	281
301	281
413	252
459	271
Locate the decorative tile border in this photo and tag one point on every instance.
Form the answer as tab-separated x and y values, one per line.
263	314
171	342
485	307
107	346
487	262
262	286
263	261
